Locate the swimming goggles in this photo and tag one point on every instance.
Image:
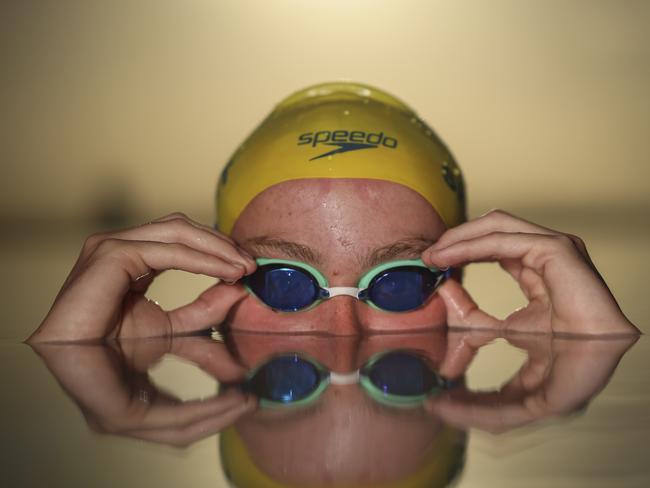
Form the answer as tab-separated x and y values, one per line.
397	378
292	286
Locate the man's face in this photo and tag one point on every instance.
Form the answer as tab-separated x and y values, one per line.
342	227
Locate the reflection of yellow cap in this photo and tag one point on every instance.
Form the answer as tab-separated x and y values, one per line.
342	130
444	464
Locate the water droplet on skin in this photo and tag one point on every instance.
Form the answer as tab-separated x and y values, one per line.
346	112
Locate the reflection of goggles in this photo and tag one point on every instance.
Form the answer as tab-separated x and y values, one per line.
397	286
395	378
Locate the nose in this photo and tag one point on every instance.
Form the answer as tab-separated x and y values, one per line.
341	314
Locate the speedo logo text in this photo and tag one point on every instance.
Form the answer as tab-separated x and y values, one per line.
346	140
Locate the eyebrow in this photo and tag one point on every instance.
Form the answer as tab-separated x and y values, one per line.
292	249
405	248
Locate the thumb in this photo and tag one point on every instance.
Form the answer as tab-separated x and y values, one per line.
462	310
209	308
462	345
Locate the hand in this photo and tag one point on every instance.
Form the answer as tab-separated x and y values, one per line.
104	295
560	377
109	383
565	292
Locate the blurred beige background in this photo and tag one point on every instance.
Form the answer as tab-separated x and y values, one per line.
120	111
138	104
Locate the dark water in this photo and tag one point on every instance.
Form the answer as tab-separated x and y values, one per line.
534	411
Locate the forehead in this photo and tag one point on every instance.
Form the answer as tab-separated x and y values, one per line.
338	215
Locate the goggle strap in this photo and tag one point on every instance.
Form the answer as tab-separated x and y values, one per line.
343	290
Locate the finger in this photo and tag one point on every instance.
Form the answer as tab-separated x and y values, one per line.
534	371
141	355
575	299
534	250
530	282
481	411
208	310
179	230
462	310
138	258
180	215
462	346
92	375
183	437
93	301
500	221
580	370
493	221
176	414
174	228
211	356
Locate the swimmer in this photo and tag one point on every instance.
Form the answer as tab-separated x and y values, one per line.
361	209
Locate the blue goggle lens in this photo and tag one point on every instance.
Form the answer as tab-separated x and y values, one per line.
285	379
402	374
402	289
283	288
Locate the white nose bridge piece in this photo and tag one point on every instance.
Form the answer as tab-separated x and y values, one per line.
344	378
350	291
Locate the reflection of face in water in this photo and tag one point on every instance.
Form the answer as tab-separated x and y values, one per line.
345	437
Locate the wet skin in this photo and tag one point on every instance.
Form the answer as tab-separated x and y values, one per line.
343	228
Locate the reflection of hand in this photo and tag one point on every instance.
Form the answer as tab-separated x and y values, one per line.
565	292
560	376
111	387
104	294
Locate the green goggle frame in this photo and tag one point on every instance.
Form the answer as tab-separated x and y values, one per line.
394	286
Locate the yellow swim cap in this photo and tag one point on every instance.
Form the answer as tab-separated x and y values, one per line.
443	464
342	130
